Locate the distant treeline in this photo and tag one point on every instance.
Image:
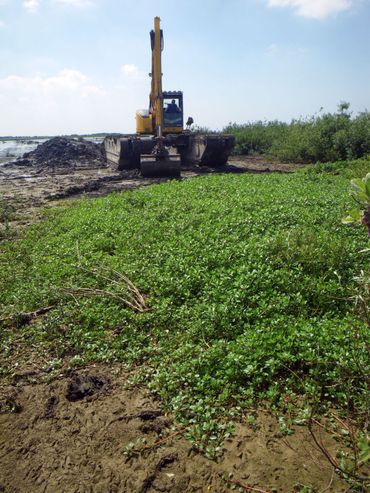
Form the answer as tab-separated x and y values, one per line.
323	138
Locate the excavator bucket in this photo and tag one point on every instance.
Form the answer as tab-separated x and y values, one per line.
162	161
151	167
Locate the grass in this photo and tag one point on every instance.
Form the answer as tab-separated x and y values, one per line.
7	215
249	281
355	168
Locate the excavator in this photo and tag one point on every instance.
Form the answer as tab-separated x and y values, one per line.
161	145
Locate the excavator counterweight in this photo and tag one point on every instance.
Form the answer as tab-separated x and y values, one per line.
161	145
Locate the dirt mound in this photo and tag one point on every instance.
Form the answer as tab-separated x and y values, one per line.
63	152
82	386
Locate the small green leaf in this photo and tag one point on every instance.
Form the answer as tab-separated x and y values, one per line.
358	184
367	184
354	216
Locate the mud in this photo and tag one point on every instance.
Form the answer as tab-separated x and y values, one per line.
82	386
50	406
23	191
8	405
261	164
98	445
61	152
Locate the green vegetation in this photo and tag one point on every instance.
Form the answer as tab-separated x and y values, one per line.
361	196
356	168
327	137
7	214
249	280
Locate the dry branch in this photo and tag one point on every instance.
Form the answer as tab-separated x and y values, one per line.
330	458
247	487
129	296
134	304
158	443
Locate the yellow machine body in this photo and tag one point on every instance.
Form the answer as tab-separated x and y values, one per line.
144	122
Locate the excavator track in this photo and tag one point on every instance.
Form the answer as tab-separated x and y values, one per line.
207	149
130	152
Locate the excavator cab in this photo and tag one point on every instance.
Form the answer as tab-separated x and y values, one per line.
173	115
173	112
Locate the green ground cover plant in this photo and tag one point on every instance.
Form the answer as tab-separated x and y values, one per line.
247	286
360	192
7	214
324	137
350	169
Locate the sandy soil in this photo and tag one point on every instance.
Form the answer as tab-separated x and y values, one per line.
70	435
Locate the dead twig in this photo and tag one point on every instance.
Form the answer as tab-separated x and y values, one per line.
109	294
320	445
132	297
135	451
351	433
247	487
330	458
165	439
340	421
318	424
288	444
330	482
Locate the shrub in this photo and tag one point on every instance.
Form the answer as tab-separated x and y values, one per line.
328	137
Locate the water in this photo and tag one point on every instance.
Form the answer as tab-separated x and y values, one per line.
10	150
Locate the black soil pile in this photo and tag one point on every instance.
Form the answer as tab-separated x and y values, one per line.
82	386
61	152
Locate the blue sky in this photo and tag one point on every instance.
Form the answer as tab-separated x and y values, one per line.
76	66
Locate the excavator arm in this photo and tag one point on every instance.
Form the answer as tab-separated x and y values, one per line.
162	161
156	94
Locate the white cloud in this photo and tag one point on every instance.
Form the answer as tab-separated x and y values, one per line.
316	9
67	102
129	69
66	81
132	71
76	3
60	103
2	24
31	5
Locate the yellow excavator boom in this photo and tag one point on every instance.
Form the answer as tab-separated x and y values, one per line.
151	122
156	95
